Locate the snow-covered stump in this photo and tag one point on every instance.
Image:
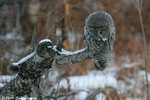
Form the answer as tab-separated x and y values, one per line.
30	69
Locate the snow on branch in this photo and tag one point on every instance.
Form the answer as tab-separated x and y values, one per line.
33	66
30	69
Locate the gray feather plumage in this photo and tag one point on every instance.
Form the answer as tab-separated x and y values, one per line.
99	33
99	37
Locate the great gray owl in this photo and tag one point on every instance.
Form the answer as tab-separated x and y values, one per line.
99	34
99	37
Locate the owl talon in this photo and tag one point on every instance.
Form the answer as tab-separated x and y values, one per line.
101	67
59	45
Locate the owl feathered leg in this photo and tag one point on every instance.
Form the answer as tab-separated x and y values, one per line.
99	65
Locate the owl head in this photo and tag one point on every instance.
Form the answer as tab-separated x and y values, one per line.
99	24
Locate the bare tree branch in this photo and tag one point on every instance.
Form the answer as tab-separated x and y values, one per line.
138	4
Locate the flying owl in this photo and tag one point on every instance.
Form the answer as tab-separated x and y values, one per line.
99	37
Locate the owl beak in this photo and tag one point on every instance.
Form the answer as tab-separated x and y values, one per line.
104	39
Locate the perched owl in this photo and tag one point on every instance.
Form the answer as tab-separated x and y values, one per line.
99	34
99	37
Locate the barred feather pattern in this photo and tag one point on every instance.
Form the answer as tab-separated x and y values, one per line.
99	37
105	54
99	33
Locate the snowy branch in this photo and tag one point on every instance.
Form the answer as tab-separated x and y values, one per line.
33	66
30	69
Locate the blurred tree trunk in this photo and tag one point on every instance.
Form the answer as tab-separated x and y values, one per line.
68	10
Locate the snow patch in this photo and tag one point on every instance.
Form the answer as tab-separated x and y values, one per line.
81	95
58	32
87	82
45	40
130	65
71	37
53	77
135	99
141	75
24	59
65	52
27	98
100	96
6	78
110	71
1	85
11	36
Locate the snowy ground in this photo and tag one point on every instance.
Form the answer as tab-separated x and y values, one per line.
125	82
101	85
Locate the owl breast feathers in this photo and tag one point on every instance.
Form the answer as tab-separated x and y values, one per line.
99	33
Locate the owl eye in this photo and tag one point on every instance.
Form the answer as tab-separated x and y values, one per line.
100	32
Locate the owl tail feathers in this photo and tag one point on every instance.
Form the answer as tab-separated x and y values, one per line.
99	65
